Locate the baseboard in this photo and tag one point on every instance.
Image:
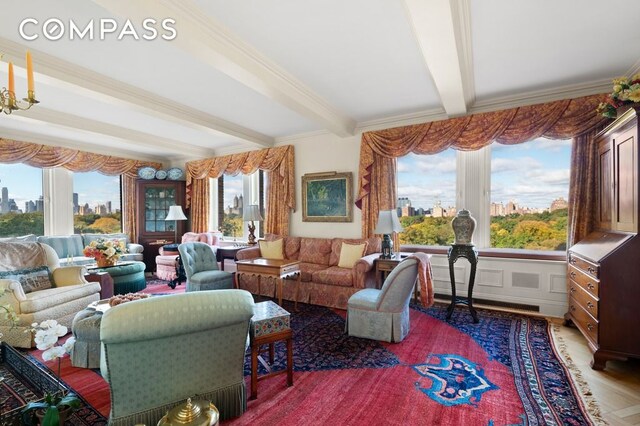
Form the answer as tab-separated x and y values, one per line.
497	303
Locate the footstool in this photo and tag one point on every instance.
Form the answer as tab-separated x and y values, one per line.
86	329
128	277
269	324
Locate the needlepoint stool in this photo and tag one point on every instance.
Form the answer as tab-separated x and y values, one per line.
128	277
269	324
86	329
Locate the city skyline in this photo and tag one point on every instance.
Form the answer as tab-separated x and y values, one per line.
24	184
530	174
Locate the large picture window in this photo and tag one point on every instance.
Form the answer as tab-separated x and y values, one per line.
96	203
21	200
232	195
427	198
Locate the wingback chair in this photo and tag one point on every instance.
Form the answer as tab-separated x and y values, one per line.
201	267
159	351
384	314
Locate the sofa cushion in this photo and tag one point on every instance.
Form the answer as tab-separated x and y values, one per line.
350	253
54	297
315	250
336	247
272	249
64	245
307	270
31	279
334	275
93	237
29	238
292	248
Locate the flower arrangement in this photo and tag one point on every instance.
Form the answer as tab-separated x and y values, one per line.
105	251
625	91
46	335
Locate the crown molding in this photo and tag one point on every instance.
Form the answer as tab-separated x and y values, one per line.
87	83
541	96
207	40
635	69
25	136
419	117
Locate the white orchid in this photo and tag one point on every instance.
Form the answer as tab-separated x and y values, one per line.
53	353
45	339
68	345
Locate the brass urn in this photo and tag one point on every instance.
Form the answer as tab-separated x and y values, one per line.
196	413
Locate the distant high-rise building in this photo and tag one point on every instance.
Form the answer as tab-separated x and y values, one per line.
4	205
40	204
109	207
497	209
407	211
558	203
76	207
29	207
437	210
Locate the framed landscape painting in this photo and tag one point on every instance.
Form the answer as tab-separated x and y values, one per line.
327	197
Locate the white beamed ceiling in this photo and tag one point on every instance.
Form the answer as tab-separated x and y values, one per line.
245	74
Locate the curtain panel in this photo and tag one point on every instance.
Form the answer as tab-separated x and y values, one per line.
376	175
277	162
45	156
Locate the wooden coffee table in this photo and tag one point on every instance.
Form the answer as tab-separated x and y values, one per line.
278	269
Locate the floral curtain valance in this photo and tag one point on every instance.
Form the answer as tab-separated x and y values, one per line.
279	162
379	149
36	155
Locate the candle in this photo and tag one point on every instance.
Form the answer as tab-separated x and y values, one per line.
12	83
29	75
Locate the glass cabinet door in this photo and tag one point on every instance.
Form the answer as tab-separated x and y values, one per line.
157	200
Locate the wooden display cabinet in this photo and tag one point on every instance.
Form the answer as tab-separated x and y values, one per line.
153	200
604	267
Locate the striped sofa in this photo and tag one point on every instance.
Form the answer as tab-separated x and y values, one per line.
69	247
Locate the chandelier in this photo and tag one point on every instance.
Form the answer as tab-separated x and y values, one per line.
8	100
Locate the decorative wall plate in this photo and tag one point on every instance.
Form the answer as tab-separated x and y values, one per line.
174	173
161	174
147	173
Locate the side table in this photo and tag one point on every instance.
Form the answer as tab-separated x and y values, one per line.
384	266
105	280
269	324
470	253
223	253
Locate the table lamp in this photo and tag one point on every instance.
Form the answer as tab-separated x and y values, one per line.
251	213
175	214
387	223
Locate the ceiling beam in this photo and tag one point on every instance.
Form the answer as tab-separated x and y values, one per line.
207	40
85	82
443	31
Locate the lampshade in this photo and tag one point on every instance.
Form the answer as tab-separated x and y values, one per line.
175	213
251	212
388	222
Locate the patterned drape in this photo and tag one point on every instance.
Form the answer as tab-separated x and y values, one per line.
582	184
377	177
45	156
281	201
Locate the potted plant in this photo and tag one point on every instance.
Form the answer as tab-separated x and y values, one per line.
106	252
626	91
55	406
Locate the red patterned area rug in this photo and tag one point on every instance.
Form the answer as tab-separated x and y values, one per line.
502	371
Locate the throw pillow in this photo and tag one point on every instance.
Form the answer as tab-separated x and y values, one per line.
271	249
32	279
350	253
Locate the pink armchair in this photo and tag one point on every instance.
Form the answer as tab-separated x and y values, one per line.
166	261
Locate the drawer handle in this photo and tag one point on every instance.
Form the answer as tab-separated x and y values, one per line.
572	261
591	270
590	286
572	289
573	308
590	326
572	274
590	305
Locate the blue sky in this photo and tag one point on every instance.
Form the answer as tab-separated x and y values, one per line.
532	174
25	183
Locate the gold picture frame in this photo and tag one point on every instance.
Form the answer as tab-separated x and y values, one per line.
327	197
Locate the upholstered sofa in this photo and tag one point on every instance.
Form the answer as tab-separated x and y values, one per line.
323	281
22	265
166	261
157	352
69	247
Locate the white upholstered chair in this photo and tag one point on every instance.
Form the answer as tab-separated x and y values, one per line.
384	314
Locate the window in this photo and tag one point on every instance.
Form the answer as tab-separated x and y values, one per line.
529	192
96	203
427	198
21	203
231	195
517	193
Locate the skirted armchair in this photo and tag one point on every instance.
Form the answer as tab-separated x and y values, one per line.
384	314
200	265
159	351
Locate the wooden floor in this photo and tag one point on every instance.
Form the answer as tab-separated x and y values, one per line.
616	389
